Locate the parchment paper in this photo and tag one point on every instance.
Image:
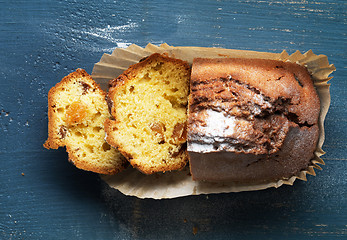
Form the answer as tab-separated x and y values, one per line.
179	183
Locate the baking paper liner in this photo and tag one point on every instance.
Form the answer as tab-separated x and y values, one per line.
179	183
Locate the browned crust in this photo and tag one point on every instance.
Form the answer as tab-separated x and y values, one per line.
149	171
275	80
54	141
93	168
288	81
294	157
135	68
123	79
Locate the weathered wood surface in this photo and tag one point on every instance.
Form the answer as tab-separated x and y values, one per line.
42	41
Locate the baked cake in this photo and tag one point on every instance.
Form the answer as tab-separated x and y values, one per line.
250	120
77	110
148	103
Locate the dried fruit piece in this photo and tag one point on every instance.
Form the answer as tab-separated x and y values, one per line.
76	112
159	128
62	132
179	134
85	87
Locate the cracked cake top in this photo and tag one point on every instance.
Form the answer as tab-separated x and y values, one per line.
257	111
264	81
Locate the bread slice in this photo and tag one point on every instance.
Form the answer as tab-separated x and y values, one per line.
77	110
149	105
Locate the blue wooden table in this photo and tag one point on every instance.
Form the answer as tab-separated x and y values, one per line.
42	196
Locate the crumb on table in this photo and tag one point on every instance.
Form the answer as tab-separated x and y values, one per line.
195	230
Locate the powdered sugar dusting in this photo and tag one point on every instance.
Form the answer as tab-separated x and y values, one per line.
218	125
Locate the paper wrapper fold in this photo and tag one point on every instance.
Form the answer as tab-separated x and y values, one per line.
179	183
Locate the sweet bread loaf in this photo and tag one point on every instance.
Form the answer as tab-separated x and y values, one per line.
250	120
77	110
148	103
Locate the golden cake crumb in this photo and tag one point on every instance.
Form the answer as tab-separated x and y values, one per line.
149	105
77	110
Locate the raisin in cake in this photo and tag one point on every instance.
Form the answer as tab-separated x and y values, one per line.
77	110
250	120
148	103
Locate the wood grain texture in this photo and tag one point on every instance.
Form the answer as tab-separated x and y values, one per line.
42	41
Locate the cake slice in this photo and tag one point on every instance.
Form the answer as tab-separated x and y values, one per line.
148	103
77	110
251	120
